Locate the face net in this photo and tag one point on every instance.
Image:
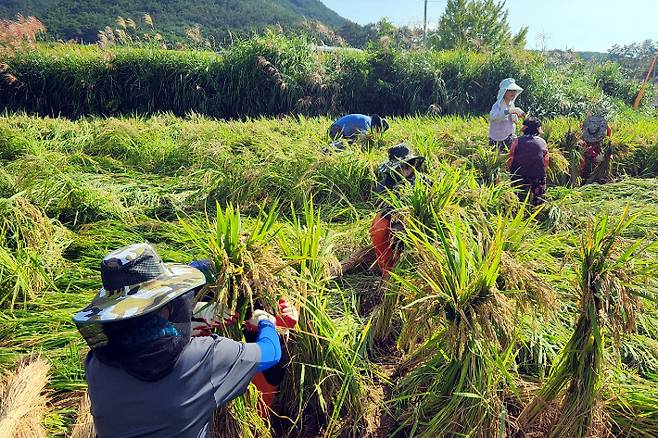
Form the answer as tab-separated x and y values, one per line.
171	320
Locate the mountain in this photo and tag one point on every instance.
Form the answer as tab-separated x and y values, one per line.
83	19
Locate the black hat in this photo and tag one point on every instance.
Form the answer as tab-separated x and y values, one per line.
402	154
380	122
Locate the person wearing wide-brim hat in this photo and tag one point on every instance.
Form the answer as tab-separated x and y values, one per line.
403	167
505	115
593	131
146	375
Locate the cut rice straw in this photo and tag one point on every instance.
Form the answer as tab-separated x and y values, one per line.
84	422
22	400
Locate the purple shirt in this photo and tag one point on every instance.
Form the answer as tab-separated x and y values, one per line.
501	122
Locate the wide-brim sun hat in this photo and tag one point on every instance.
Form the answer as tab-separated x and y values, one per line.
506	85
595	129
402	154
137	282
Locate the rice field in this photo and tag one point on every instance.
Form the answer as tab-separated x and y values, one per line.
499	320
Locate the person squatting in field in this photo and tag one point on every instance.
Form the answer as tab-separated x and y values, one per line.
593	131
505	115
352	125
147	375
402	167
528	161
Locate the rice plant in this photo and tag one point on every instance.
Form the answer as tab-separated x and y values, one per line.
326	385
462	372
608	305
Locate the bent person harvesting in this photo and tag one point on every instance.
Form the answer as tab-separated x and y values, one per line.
147	375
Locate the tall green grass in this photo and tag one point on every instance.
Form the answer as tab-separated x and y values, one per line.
275	74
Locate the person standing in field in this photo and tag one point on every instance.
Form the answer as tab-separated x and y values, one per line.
147	375
505	115
403	167
353	125
593	131
528	161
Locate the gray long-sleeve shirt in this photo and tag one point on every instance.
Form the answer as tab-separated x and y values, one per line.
210	372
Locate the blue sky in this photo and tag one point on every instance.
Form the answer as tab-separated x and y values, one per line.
575	24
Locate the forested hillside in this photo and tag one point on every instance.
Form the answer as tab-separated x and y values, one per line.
82	19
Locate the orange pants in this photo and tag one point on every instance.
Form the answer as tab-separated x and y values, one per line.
267	394
380	234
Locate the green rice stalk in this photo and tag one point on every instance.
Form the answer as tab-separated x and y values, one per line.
457	388
606	302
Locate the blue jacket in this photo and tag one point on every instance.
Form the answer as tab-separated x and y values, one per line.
352	124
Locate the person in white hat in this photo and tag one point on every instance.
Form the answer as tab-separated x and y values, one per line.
505	115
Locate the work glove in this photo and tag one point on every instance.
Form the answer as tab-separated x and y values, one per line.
256	317
206	318
287	318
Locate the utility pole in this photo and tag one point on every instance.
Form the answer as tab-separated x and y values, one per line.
425	22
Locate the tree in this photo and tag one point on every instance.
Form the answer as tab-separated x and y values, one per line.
476	25
634	58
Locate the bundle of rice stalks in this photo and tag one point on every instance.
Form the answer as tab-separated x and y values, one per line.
457	389
608	273
522	260
558	167
241	418
569	146
441	192
245	262
22	403
326	387
245	268
84	422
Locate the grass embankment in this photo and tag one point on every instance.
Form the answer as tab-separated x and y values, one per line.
274	75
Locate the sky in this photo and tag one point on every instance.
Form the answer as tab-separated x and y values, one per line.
583	25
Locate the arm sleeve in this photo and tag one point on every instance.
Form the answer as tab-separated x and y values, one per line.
498	114
269	344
